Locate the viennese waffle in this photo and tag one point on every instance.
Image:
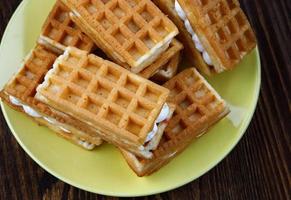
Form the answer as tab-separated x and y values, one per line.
132	33
19	94
216	34
169	55
59	31
198	107
119	104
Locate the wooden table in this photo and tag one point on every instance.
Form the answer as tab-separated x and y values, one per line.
258	168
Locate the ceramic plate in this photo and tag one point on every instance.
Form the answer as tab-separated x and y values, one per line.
103	170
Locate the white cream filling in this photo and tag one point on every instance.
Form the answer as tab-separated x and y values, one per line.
154	52
31	112
28	110
83	143
152	134
162	117
86	144
49	120
56	123
180	11
190	30
46	41
15	101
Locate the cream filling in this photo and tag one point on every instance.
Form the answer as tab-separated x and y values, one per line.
162	117
154	53
46	41
56	123
86	144
28	110
33	113
190	30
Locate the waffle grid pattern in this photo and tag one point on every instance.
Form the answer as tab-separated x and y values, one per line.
32	73
131	27
105	93
226	21
23	86
197	107
61	29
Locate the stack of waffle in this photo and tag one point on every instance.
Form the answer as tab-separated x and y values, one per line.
66	84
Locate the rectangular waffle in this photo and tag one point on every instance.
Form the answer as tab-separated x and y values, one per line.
59	31
220	27
132	33
121	105
190	51
198	107
65	131
168	71
19	93
172	52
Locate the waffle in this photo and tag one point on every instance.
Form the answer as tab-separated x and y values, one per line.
59	31
171	53
65	131
198	107
121	105
19	94
219	26
190	51
73	138
167	71
132	33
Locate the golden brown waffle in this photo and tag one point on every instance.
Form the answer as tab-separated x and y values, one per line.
174	49
73	138
167	71
222	29
190	51
198	107
132	33
59	31
20	90
121	105
65	131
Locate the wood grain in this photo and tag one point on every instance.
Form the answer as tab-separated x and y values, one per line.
259	166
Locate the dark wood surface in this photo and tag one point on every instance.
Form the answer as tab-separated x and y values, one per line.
259	166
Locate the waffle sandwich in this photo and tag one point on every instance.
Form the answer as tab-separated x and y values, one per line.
120	105
59	31
132	33
166	58
19	93
198	107
216	34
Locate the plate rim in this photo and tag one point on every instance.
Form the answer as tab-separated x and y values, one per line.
242	131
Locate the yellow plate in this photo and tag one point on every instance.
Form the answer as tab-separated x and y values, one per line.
104	171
